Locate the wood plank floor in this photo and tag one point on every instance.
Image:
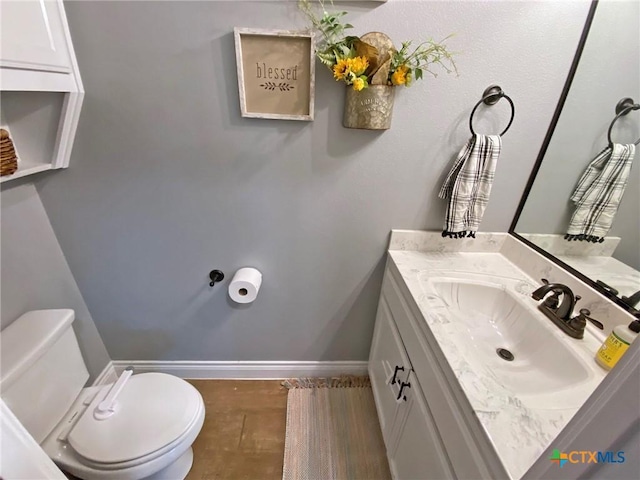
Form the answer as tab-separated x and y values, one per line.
243	433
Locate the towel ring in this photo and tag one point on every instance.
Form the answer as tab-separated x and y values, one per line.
491	96
623	107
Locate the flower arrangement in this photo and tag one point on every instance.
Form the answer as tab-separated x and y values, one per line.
360	63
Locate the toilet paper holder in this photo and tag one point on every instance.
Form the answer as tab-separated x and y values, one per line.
215	276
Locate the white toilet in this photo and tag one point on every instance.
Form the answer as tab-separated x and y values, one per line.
140	427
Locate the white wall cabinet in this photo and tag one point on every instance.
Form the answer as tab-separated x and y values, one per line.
430	430
39	79
33	36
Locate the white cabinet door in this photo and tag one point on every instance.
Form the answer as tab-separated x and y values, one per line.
388	367
36	55
33	35
419	452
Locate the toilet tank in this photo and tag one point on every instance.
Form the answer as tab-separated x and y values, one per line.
41	369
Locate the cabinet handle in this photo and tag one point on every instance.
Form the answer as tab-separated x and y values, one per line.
395	372
402	385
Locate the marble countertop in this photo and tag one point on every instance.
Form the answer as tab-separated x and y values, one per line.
519	429
608	270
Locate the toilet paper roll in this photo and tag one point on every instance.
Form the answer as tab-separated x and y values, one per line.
245	285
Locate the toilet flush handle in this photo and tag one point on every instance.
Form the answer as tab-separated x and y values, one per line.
107	407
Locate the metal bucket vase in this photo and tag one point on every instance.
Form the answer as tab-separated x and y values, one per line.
369	109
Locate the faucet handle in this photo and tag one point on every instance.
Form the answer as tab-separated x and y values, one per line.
608	288
581	320
593	320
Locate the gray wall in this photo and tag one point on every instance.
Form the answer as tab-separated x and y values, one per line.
609	70
35	274
168	181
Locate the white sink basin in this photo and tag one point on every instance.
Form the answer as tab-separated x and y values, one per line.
491	316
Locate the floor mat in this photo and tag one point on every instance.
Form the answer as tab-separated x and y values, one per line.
333	431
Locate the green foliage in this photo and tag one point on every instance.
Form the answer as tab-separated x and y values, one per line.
423	57
334	45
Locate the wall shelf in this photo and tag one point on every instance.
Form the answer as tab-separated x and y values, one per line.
40	84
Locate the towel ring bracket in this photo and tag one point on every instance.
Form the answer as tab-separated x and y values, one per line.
623	107
492	95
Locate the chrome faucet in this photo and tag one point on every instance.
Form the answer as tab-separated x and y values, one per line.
560	312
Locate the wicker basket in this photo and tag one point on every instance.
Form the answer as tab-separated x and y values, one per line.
8	157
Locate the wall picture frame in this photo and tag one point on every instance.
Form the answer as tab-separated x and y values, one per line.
276	73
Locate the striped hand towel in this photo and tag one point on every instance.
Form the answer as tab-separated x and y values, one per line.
468	185
599	192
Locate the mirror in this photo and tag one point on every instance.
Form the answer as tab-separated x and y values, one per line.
605	71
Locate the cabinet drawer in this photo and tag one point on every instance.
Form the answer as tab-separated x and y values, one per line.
466	443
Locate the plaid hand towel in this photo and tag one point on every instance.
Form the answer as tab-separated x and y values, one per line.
599	192
468	185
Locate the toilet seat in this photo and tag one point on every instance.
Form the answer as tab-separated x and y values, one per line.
142	460
153	412
83	451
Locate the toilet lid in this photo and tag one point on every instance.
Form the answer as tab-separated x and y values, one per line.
153	410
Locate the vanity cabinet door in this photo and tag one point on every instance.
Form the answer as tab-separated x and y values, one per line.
387	359
419	452
33	36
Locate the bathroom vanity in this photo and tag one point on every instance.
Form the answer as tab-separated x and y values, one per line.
471	380
426	421
450	404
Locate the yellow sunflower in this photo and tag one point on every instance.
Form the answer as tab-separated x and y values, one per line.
340	69
400	76
358	65
359	83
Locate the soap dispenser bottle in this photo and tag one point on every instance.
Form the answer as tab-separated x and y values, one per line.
616	344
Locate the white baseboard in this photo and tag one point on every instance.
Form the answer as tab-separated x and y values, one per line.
244	370
108	375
